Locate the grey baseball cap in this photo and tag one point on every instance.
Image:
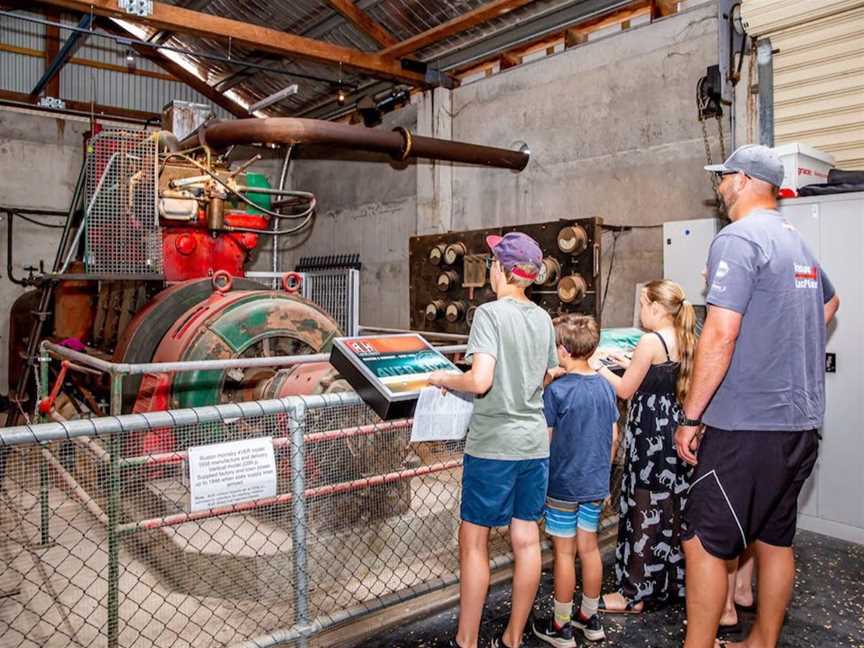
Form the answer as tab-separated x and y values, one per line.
753	160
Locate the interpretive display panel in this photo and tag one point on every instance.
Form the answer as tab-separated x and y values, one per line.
388	371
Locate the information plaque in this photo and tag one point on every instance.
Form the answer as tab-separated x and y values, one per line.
388	371
234	472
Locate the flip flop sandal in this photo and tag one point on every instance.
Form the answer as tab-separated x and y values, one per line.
723	630
629	608
726	630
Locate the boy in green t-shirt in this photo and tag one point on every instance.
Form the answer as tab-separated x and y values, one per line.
506	465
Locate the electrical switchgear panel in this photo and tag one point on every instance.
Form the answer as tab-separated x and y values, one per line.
449	278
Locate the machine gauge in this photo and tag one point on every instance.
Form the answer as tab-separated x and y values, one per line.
446	280
454	252
572	239
572	289
550	270
436	254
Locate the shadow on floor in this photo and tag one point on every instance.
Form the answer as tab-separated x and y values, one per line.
827	609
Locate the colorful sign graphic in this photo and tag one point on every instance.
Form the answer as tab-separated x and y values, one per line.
401	363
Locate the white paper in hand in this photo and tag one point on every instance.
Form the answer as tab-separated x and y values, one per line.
441	416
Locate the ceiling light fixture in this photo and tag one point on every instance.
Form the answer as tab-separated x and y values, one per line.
131	63
274	98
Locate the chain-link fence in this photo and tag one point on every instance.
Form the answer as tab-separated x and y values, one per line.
100	545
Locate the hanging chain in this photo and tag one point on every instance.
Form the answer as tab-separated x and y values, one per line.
715	181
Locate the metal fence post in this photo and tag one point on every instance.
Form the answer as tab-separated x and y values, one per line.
42	392
114	445
299	554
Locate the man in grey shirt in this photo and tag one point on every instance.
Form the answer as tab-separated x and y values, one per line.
759	390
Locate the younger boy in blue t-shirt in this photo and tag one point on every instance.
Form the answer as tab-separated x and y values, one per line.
582	415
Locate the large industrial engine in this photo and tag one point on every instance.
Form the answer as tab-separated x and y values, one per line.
151	268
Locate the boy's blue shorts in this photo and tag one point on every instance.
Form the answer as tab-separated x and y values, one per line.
563	518
494	491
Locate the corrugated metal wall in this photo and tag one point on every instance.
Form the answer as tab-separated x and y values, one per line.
818	72
19	73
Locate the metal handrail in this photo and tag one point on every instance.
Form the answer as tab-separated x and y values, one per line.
121	425
129	369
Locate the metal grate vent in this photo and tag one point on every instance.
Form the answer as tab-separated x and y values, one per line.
338	293
122	223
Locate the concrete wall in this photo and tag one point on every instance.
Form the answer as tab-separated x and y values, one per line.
366	205
613	133
40	158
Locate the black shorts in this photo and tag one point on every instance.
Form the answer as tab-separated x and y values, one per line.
746	488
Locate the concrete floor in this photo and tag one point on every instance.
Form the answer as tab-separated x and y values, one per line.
827	609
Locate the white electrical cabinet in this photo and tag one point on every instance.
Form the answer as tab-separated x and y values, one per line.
832	501
685	254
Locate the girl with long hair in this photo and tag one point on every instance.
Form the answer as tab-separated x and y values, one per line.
649	564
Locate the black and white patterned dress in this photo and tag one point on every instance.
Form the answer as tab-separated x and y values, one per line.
649	562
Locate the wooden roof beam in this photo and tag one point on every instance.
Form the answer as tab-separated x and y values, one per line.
481	14
183	21
52	49
363	21
84	107
661	8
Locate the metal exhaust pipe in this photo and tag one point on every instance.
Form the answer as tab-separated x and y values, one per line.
400	143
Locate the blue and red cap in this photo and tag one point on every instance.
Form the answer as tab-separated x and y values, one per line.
515	249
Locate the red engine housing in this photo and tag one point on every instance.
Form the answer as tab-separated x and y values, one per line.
190	251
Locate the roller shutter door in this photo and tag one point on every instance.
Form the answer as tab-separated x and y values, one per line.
818	72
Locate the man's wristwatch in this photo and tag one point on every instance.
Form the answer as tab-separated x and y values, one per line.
686	422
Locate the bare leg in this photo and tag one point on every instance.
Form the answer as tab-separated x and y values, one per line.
730	614
707	581
473	581
565	568
525	540
776	579
744	581
591	563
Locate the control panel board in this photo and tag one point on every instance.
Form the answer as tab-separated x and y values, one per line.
449	278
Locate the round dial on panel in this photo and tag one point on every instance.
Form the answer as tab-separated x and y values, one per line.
572	289
435	310
550	270
446	280
572	239
455	311
436	254
469	315
454	252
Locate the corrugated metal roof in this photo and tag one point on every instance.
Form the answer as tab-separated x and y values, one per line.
312	18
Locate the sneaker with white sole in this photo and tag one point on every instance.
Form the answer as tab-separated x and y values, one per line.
591	628
549	632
